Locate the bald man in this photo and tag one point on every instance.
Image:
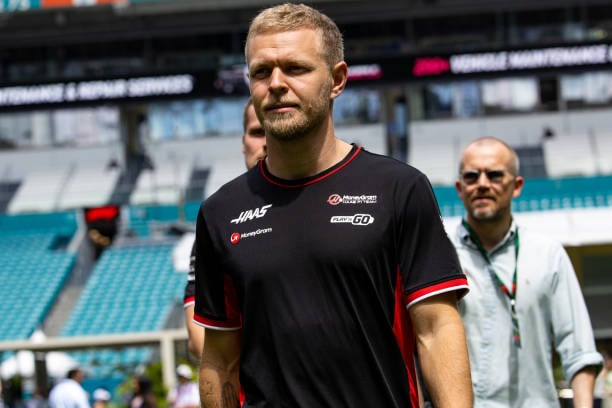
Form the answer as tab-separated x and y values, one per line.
524	300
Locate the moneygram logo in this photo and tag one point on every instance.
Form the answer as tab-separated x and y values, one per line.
237	237
357	219
336	199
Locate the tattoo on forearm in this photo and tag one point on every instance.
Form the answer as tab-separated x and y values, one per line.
229	396
206	388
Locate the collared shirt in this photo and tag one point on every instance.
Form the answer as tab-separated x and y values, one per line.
551	313
184	395
68	394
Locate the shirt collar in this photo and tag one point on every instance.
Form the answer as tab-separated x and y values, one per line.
464	236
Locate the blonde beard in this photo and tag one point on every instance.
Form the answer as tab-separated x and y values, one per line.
295	125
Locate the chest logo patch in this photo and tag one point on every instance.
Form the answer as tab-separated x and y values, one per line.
357	219
248	215
235	237
336	199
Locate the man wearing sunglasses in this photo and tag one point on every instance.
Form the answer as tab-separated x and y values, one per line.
524	300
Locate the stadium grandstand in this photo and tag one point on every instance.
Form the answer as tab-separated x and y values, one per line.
118	117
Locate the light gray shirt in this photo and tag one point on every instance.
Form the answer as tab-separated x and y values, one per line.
68	394
551	313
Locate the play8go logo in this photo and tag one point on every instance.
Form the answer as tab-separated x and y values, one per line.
357	219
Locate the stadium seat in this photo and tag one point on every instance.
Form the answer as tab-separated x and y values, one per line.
89	186
32	271
131	289
40	190
569	155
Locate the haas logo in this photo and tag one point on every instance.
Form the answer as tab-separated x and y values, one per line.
334	199
248	215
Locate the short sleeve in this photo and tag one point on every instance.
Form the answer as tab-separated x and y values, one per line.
216	304
428	261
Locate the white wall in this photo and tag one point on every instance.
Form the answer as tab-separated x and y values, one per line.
435	146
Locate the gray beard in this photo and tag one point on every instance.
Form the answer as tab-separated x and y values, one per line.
487	215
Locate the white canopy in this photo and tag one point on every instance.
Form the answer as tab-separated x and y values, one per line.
182	252
22	363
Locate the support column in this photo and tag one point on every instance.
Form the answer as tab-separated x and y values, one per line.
166	348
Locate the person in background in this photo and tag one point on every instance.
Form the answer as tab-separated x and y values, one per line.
142	396
524	300
37	400
101	398
185	393
306	262
253	149
69	393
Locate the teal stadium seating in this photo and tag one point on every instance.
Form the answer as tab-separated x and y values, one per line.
131	289
33	269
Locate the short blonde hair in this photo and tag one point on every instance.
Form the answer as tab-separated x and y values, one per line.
290	17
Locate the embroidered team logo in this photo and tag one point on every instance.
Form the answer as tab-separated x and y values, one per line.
336	199
357	219
248	215
236	237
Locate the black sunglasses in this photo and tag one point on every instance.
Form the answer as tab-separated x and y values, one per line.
472	176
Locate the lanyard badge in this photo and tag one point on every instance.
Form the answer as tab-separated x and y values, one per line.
511	294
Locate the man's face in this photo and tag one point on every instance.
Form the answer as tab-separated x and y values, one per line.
253	139
291	84
485	184
78	377
608	362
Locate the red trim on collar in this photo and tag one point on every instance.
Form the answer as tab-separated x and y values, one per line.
323	176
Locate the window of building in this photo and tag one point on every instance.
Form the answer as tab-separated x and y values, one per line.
545	26
466	99
62	127
510	95
448	32
359	106
592	88
438	99
196	118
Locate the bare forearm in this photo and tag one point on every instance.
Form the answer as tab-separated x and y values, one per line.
442	351
218	389
582	387
195	332
219	367
446	368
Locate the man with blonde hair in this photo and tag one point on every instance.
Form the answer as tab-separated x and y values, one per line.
322	270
